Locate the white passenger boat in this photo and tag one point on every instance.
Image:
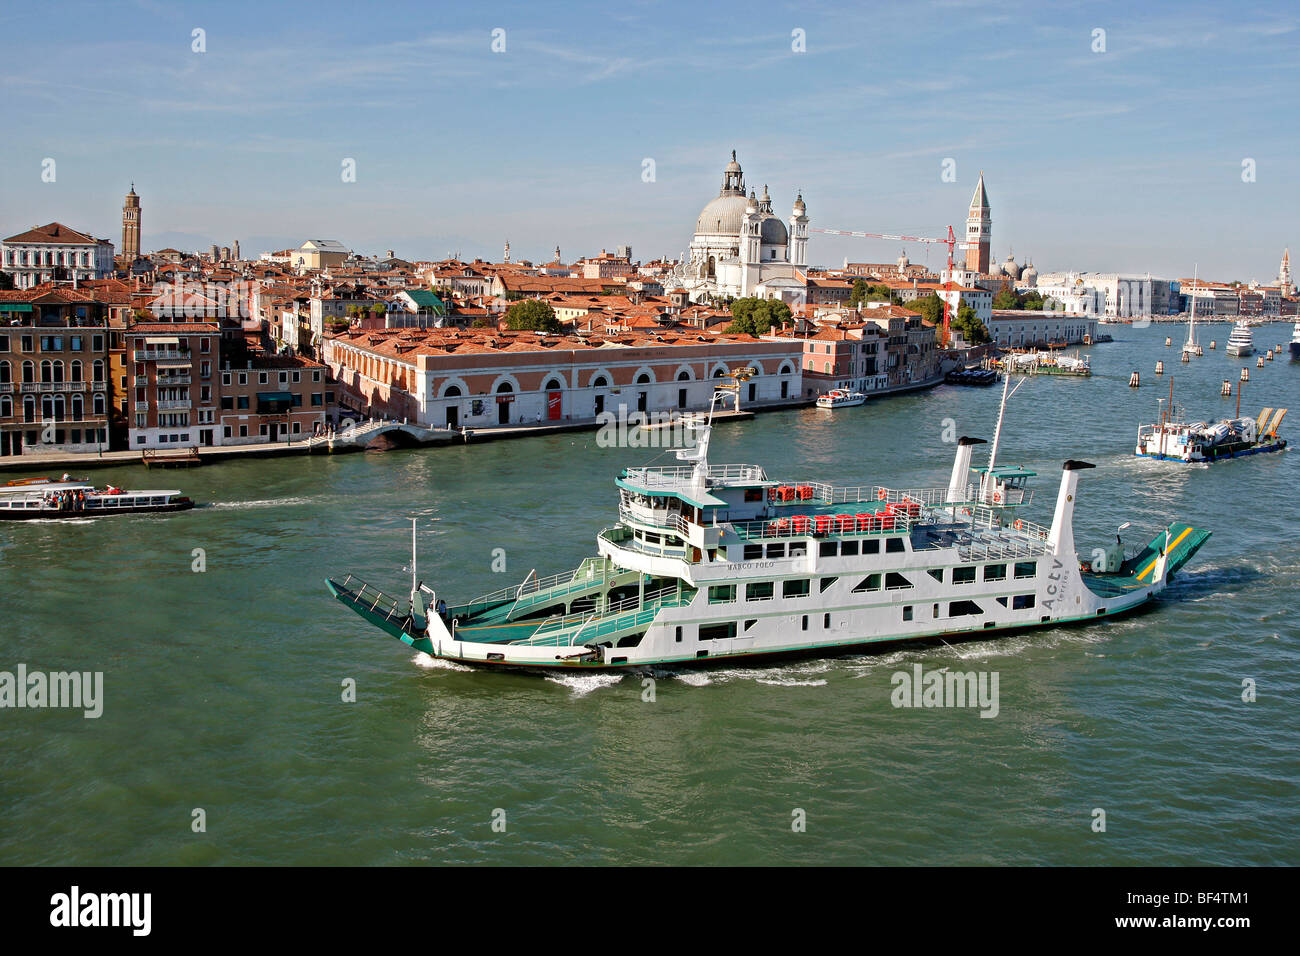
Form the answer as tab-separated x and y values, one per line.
1295	341
46	498
1240	341
841	398
722	563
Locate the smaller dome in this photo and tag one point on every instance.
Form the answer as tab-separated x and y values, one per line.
773	232
799	207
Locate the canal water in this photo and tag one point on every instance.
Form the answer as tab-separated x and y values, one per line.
223	687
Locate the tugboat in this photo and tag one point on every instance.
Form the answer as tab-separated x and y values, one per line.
1170	439
32	498
715	564
841	398
1240	343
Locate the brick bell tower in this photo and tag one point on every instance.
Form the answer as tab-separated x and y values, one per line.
131	225
979	231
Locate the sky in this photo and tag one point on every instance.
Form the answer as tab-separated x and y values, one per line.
597	125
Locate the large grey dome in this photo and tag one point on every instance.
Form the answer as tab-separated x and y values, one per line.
773	232
721	217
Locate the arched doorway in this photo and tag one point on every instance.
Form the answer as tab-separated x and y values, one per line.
504	400
453	410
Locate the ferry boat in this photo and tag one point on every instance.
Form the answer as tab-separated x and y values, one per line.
46	498
1295	342
841	398
1240	341
1045	363
715	564
1170	439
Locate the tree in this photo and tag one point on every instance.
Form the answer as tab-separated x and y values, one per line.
6	281
757	316
858	295
930	306
1032	301
1006	299
532	315
970	326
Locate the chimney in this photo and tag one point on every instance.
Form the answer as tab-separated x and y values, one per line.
1061	538
960	479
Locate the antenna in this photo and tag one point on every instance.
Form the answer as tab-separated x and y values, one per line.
997	432
413	557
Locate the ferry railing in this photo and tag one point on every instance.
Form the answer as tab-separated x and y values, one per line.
884	525
606	617
669	520
373	599
666	475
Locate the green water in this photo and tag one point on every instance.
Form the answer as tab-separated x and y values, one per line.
223	688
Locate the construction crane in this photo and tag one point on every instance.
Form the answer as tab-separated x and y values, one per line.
950	241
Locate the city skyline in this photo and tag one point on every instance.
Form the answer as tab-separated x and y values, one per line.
1125	160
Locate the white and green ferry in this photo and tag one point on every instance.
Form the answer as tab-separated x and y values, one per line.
718	563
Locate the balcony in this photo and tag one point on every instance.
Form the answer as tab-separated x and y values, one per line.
53	387
172	406
161	355
165	380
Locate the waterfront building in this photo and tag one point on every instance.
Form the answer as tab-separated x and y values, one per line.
880	347
1024	328
173	399
54	251
607	265
268	398
450	377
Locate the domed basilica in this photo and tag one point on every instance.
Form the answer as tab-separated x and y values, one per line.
741	248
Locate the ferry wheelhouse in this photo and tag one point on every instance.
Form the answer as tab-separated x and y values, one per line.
718	563
841	398
46	498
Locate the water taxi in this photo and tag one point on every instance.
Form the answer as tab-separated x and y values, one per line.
47	498
841	398
712	564
1240	342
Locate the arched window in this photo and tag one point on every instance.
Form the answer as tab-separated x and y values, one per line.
98	404
683	376
553	385
719	372
786	368
58	371
5	373
97	370
77	408
505	387
643	379
76	372
29	408
453	391
6	406
600	382
47	371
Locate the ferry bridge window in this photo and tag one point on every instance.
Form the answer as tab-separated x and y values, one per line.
776	550
798	549
828	549
963	608
795	589
894	545
753	494
995	572
963	575
870	583
722	594
760	591
753	552
826	583
895	581
848	549
1026	569
870	547
936	573
1022	601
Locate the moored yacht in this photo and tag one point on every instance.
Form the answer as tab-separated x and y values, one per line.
1240	341
717	563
